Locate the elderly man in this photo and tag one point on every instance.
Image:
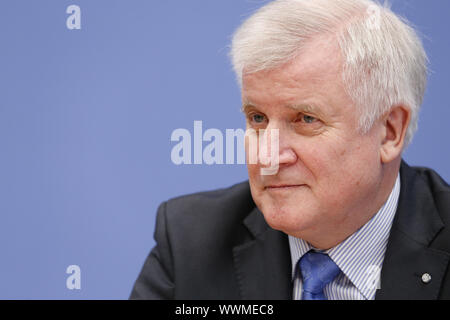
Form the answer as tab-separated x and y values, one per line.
343	217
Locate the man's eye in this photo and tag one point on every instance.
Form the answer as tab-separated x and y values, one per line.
307	119
258	118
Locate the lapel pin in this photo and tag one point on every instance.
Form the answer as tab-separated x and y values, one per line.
426	278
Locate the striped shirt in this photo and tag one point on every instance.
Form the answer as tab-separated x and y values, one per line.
360	257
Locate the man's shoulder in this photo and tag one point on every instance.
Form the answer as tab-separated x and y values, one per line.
432	183
425	205
440	191
436	183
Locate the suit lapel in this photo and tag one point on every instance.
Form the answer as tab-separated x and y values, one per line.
263	264
408	254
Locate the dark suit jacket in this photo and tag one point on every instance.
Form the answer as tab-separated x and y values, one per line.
217	245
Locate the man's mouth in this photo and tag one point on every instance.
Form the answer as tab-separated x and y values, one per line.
283	186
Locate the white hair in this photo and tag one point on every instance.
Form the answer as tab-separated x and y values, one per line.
384	62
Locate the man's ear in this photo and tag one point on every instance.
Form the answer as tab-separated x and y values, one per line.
395	123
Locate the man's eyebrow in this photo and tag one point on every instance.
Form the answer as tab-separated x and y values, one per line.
246	106
305	107
302	107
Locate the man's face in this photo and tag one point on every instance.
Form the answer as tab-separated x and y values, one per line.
328	171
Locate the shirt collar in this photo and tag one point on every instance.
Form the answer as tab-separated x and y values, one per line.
360	256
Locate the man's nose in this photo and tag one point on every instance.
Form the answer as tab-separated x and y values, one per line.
286	153
287	156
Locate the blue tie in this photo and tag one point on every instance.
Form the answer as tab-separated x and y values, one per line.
317	271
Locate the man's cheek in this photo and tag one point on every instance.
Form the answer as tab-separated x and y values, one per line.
253	172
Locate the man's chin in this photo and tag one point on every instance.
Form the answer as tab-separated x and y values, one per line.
287	222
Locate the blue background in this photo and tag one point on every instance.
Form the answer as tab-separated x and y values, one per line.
85	123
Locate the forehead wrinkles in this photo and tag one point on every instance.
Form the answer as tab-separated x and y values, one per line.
320	60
